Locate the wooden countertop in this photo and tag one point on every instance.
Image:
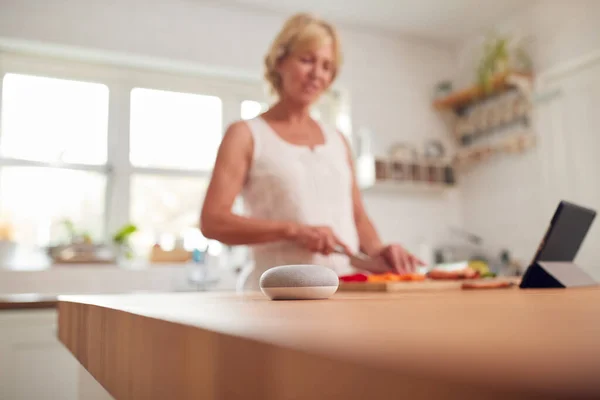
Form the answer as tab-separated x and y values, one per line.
507	343
27	301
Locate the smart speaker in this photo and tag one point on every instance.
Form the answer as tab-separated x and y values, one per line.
299	282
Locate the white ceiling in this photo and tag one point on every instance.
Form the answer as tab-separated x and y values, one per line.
446	21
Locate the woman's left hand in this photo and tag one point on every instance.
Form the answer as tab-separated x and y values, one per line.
399	259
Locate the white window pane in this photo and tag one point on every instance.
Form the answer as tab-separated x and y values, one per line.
344	124
315	114
166	208
251	109
54	120
174	130
37	200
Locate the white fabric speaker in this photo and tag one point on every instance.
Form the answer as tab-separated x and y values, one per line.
299	282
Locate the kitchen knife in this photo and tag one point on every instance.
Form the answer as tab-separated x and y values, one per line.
362	261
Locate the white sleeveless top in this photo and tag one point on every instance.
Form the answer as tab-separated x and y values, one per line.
288	182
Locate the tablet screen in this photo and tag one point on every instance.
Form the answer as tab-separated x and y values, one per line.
567	230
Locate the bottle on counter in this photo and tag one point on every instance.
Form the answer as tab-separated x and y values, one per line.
203	269
197	269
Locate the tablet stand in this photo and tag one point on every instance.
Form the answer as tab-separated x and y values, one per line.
551	274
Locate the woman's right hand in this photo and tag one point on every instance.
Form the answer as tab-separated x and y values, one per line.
318	239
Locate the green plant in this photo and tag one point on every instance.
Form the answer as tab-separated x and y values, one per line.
124	233
70	228
86	237
74	235
121	239
499	55
494	60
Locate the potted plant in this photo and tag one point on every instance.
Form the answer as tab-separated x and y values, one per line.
499	55
122	243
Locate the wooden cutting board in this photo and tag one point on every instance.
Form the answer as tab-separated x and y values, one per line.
426	285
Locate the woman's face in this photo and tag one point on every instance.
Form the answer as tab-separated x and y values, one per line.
306	74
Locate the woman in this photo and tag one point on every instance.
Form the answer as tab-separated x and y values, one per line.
295	175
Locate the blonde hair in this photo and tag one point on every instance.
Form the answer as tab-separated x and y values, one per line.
300	32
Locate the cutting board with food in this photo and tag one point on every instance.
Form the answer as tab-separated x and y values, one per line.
434	280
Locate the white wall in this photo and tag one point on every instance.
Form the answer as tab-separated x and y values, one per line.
510	199
389	79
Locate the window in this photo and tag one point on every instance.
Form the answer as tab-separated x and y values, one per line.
251	109
49	123
174	130
54	120
37	200
102	147
166	209
171	134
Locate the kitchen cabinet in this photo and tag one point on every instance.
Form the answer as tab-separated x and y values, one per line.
33	363
450	344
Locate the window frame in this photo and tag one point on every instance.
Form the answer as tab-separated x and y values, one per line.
121	80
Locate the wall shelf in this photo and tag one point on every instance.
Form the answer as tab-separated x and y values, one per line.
500	83
485	124
514	143
392	186
417	176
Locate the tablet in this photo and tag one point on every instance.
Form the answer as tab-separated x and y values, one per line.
568	228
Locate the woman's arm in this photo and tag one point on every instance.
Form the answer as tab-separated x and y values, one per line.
395	255
217	221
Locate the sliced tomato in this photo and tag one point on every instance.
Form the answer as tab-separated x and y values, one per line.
353	278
